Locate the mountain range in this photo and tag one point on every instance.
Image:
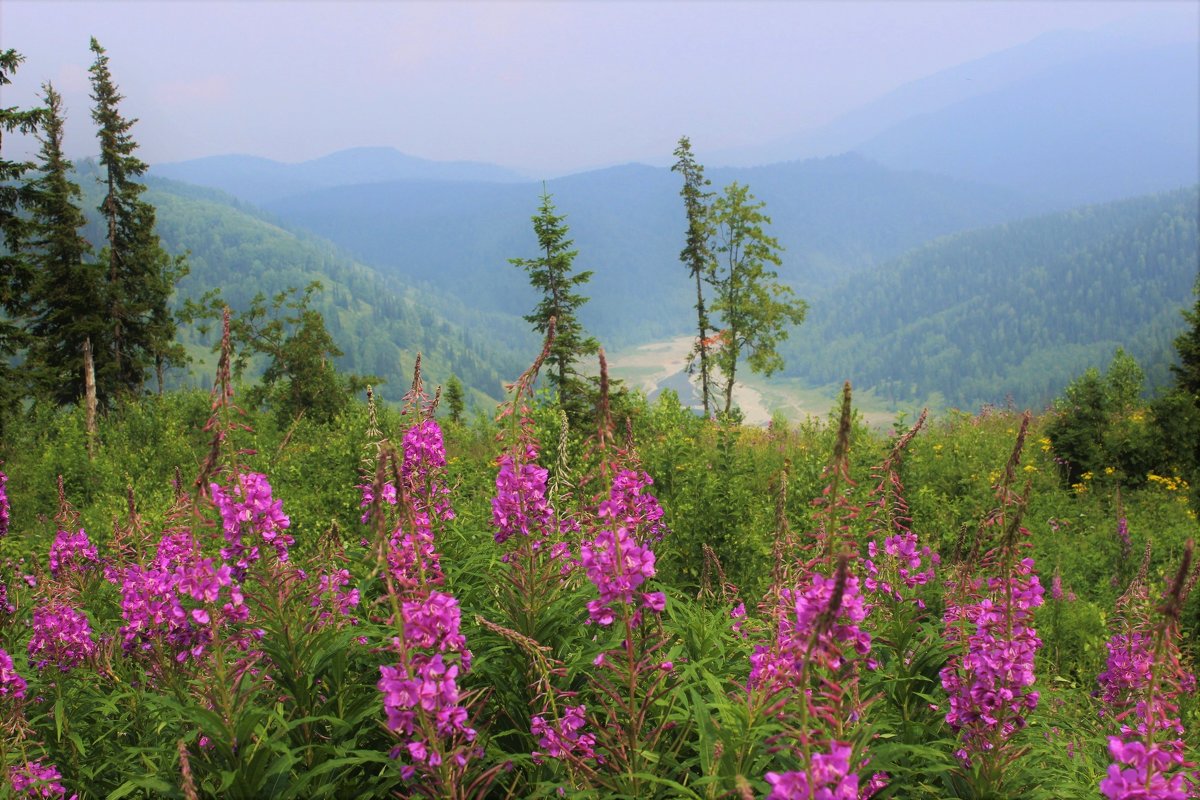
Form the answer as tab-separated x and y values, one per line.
946	187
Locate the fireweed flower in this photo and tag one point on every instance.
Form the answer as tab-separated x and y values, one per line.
617	565
11	684
630	506
4	507
806	635
423	470
565	740
423	686
72	552
989	684
618	560
34	779
62	637
248	510
829	777
178	600
332	591
902	557
520	505
1146	773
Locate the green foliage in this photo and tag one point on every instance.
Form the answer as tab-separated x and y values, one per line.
1187	344
454	399
66	303
15	270
1012	311
754	307
552	276
696	255
141	275
300	377
1100	424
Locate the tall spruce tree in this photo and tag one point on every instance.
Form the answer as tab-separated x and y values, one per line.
696	255
551	274
140	273
16	273
755	308
1187	344
66	300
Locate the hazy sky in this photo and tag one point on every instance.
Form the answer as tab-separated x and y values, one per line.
542	86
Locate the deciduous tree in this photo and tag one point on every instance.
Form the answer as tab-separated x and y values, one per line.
755	309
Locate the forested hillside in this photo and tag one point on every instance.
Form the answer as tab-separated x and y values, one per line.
379	323
1015	310
833	216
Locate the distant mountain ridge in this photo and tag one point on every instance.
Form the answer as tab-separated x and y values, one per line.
834	216
257	180
1085	131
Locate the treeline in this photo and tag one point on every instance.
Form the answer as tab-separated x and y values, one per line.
1008	312
85	317
87	260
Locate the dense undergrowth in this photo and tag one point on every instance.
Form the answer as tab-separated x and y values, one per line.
662	607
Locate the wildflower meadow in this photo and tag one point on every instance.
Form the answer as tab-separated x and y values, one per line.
663	606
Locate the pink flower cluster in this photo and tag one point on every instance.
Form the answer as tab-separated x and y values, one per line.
828	777
176	600
1130	660
73	552
520	505
618	560
1146	775
907	558
35	780
249	510
11	684
618	565
331	589
4	507
631	507
424	684
566	740
989	685
423	469
62	637
413	561
808	634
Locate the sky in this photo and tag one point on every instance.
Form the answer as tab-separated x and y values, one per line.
543	87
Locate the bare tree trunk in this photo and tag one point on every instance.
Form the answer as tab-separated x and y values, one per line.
89	386
158	370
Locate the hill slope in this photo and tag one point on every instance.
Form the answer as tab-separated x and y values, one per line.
834	217
1015	310
379	323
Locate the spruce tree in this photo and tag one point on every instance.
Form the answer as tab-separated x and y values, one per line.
551	274
1187	344
16	273
66	300
455	400
140	273
696	255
